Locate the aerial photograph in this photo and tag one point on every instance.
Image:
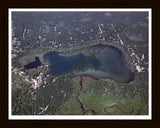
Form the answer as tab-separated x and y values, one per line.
79	63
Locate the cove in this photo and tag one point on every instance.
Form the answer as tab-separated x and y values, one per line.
98	61
34	64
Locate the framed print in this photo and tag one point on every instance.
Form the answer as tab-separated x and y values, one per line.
80	64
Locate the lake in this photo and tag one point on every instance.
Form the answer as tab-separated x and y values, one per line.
98	61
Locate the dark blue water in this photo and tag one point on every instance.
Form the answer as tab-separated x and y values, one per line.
34	64
61	64
99	61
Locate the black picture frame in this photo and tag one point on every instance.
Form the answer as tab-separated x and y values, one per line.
153	4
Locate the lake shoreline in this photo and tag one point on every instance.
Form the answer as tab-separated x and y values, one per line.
58	59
